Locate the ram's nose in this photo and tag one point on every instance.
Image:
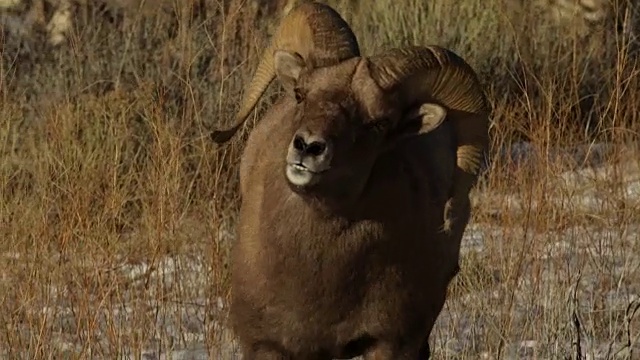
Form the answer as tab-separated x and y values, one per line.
309	146
309	156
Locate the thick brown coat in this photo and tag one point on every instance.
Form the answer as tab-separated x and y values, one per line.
359	264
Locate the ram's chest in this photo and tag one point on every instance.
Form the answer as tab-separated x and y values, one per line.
289	249
288	244
321	255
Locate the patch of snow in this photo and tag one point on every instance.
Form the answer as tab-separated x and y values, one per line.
525	154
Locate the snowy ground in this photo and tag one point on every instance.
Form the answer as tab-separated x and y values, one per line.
590	267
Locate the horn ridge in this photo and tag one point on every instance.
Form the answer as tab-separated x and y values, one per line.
313	30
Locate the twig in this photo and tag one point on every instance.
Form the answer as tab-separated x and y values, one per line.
632	308
577	343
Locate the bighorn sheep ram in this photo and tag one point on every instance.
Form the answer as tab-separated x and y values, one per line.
341	250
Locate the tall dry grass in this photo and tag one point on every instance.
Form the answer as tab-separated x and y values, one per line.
117	212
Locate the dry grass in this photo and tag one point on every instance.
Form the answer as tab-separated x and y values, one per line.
116	211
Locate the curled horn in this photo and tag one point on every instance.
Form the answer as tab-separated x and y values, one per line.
314	31
419	75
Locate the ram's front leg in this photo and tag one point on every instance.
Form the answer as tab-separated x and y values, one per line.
425	351
389	352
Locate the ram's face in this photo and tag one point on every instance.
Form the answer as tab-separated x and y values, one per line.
339	131
333	144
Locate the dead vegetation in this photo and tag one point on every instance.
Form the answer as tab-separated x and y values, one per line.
116	209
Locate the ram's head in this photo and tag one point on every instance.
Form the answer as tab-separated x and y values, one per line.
348	114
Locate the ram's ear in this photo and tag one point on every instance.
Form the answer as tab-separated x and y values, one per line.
288	66
419	120
426	118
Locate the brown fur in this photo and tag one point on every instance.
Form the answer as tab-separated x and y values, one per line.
356	264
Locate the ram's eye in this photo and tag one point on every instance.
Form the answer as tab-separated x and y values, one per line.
298	93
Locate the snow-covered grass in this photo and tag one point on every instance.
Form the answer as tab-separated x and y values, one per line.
117	212
550	275
531	287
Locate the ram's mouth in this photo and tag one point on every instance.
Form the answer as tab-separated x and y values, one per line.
300	175
301	167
